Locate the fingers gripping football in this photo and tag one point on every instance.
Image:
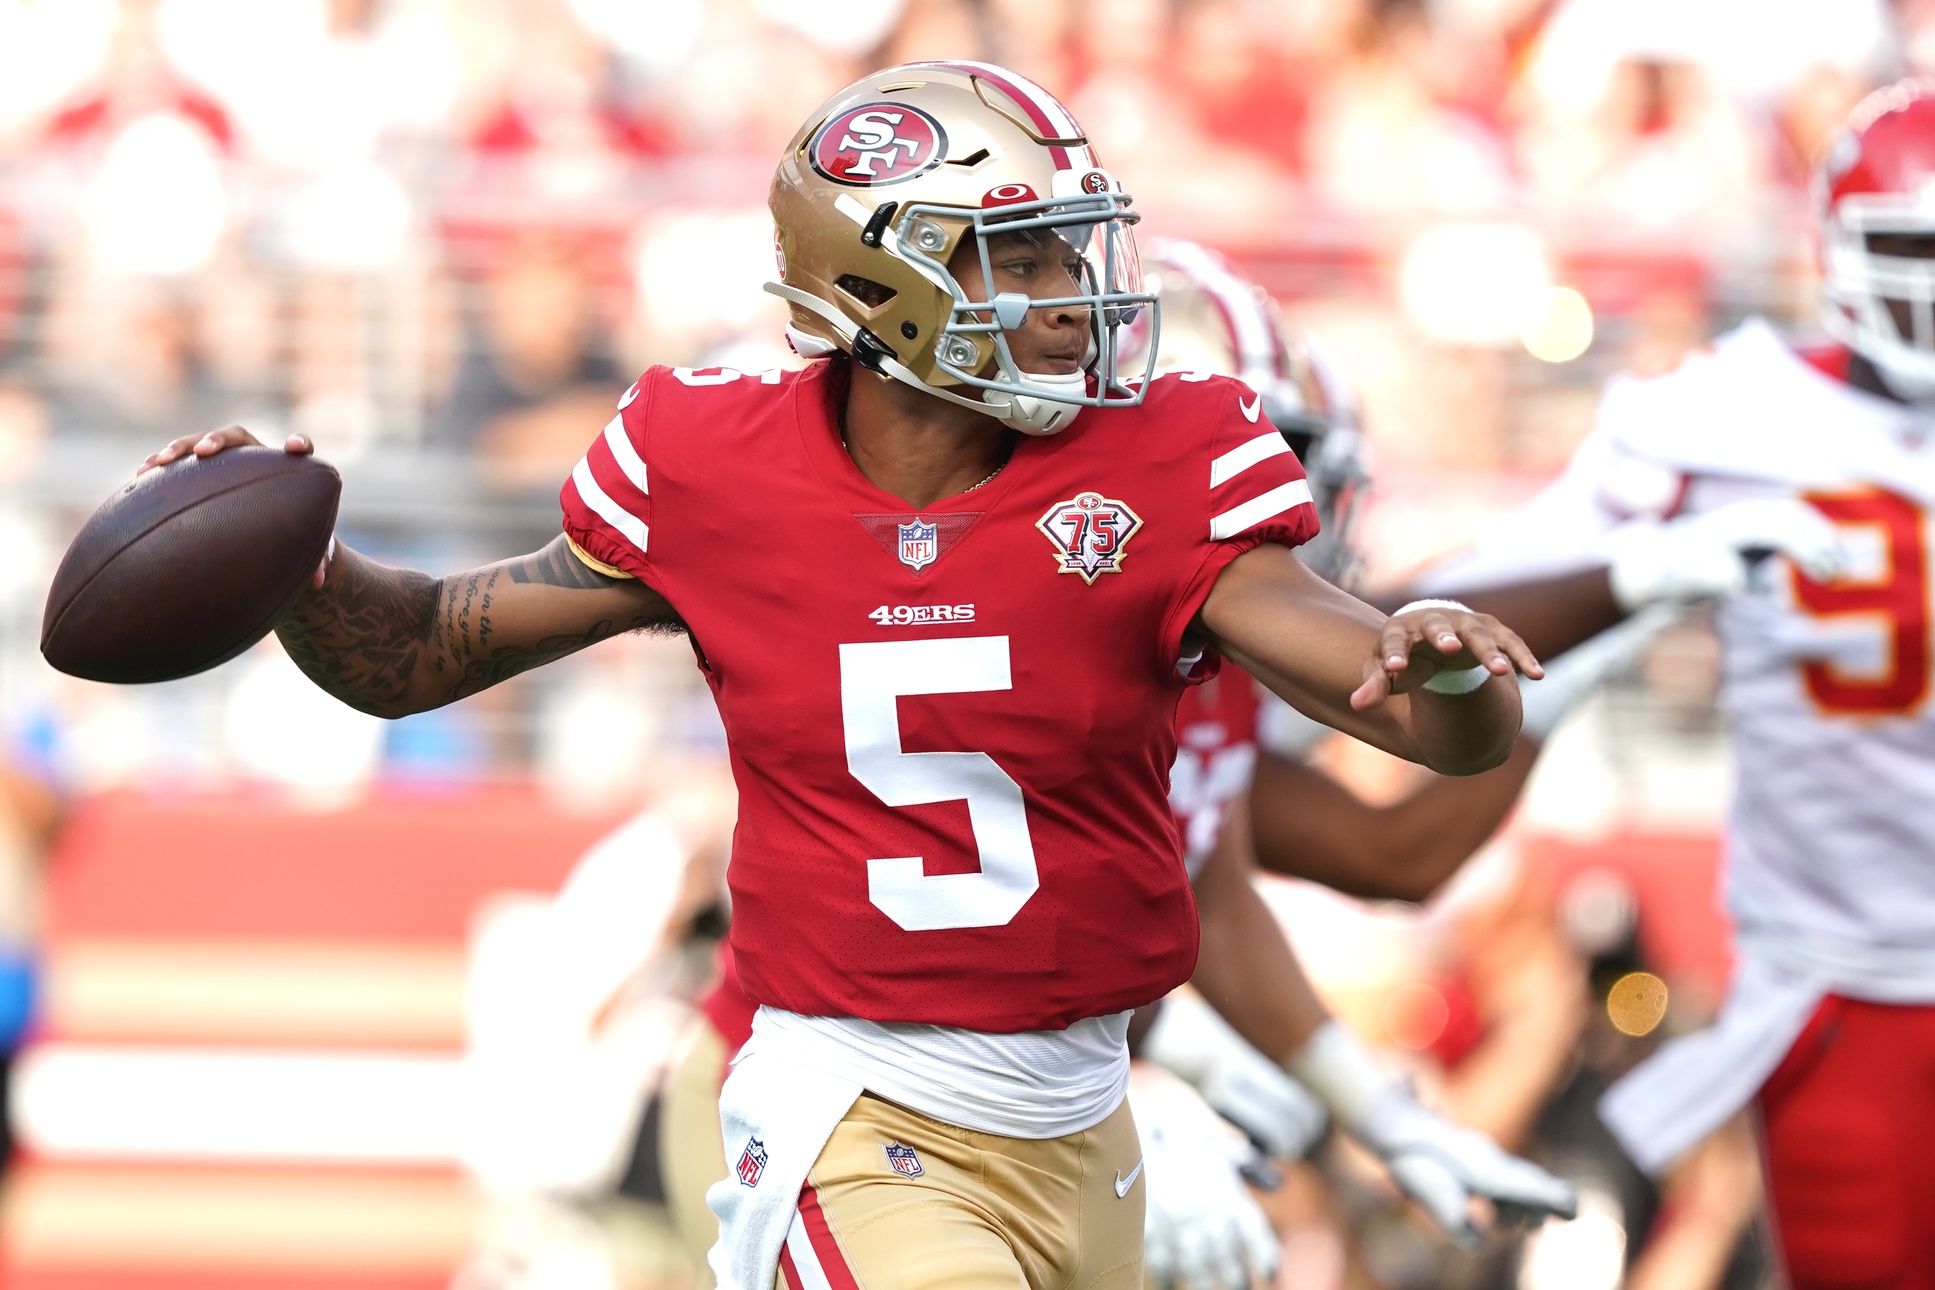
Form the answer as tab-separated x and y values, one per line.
1424	640
207	445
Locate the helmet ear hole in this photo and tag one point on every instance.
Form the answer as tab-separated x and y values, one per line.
865	292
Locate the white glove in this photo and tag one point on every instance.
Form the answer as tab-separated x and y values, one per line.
1708	554
1245	1087
1202	1230
1433	1161
1573	675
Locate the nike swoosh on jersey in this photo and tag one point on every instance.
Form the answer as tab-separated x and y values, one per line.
1251	408
1122	1184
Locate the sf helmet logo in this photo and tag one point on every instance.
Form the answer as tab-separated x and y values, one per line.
878	143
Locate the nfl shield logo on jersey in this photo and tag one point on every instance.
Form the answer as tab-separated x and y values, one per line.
920	544
1090	533
752	1162
904	1160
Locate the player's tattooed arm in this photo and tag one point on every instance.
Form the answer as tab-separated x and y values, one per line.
393	641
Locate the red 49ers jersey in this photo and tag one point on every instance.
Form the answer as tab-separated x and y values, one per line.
951	728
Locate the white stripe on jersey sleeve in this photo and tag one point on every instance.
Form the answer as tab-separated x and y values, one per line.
1258	509
609	511
1245	455
624	454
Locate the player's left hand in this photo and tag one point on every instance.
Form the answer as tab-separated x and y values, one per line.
1420	642
1443	1167
1202	1230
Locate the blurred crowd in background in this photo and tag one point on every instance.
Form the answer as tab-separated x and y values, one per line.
438	237
441	236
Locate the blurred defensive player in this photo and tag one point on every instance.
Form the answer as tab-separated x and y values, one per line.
946	619
1688	483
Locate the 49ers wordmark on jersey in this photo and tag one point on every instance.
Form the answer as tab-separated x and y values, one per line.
1090	534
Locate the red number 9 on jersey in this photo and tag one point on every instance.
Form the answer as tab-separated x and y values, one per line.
1896	597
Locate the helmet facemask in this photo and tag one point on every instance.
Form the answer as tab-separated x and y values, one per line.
1096	227
1865	291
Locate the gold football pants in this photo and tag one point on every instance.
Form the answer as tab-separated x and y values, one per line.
946	1209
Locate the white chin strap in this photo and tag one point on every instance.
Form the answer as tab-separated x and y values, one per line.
1034	415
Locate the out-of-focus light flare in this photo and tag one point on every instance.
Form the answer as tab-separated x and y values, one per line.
1415	1015
847	27
654	34
698	272
1474	283
47	51
1637	1003
159	204
1559	329
352	220
1587	1253
284	730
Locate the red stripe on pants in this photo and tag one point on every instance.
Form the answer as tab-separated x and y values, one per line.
1848	1124
832	1262
789	1270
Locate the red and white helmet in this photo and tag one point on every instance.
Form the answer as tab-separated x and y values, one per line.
1878	179
1215	320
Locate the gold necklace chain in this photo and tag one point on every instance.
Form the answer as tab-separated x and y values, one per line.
970	488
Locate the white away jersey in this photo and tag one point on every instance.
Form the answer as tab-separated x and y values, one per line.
1832	838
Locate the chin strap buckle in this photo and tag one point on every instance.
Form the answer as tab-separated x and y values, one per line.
877	224
871	352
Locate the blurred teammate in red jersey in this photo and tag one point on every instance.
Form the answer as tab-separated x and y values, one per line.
946	618
1691	482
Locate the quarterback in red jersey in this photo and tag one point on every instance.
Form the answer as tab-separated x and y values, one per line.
947	586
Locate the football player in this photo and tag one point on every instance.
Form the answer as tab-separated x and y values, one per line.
947	586
1688	485
1201	1227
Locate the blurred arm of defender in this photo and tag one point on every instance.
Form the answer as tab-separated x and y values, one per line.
391	642
1341	662
1246	969
1307	825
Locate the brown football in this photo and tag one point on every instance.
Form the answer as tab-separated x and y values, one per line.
189	565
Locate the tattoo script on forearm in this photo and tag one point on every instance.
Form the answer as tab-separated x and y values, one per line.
390	641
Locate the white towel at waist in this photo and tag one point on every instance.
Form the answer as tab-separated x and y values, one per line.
782	1113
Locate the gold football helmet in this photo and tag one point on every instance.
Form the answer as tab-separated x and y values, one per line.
1215	320
877	192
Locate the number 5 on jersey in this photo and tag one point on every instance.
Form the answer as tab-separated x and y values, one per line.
873	677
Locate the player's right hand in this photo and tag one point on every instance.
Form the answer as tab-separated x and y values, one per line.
207	445
1712	554
1202	1230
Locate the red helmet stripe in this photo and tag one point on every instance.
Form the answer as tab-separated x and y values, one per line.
1050	118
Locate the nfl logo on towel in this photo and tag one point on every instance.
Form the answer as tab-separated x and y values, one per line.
752	1162
903	1159
919	546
